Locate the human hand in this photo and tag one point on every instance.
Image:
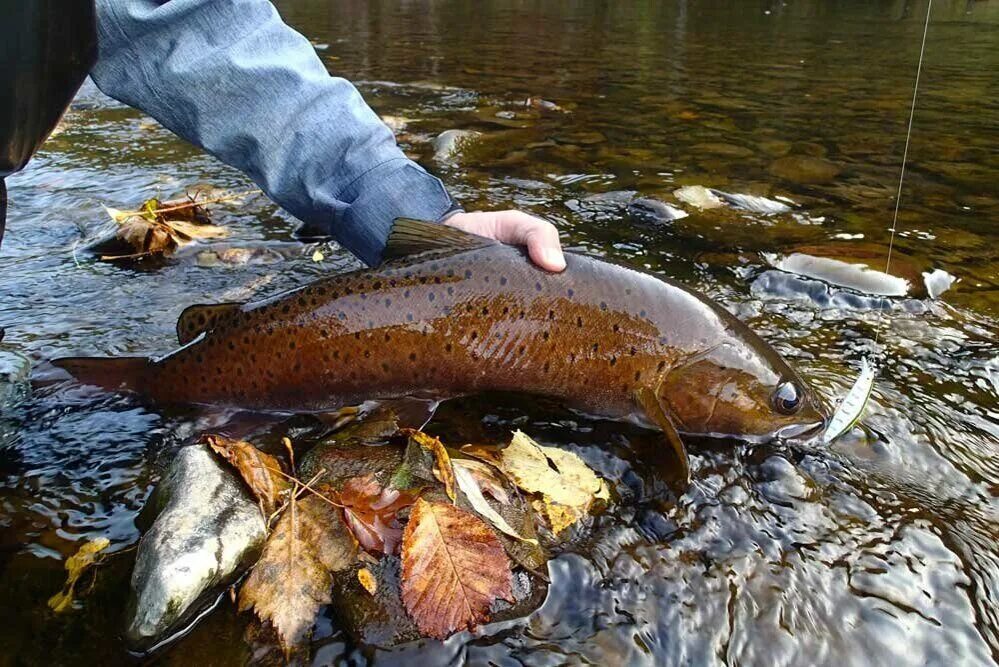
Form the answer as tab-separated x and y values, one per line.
516	228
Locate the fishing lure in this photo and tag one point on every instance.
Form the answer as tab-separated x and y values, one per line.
852	406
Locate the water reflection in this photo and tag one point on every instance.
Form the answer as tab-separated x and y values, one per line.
880	550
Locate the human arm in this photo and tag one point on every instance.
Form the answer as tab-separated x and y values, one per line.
232	78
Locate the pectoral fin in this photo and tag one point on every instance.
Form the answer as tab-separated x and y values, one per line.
649	402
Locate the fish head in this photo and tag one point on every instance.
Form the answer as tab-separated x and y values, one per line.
740	387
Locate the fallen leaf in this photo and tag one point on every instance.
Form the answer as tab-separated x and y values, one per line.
442	462
294	575
318	256
487	478
453	568
367	580
260	471
159	228
487	453
370	513
556	473
470	487
567	485
76	565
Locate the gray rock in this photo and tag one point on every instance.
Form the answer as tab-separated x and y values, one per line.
208	532
14	371
449	143
753	203
654	211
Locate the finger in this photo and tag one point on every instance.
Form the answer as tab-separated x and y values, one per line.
540	237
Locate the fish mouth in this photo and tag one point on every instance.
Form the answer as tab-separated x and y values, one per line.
801	431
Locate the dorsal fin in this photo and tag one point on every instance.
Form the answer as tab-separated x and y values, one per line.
200	318
411	237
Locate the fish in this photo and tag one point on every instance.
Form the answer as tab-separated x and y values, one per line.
450	313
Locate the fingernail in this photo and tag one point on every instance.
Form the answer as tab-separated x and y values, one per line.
553	259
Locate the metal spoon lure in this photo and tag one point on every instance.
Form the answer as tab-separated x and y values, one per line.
850	409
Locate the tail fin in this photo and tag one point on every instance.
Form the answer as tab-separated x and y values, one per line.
111	373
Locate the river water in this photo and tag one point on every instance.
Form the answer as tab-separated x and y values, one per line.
880	550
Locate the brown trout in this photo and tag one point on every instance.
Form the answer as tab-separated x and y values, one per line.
451	314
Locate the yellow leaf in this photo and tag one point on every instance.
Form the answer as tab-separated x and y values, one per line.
76	565
294	576
367	580
118	215
442	462
318	256
453	568
559	517
556	473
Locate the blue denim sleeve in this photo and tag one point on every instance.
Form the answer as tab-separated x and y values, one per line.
232	78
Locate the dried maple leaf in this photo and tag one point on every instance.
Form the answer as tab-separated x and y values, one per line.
370	513
442	462
294	575
261	472
453	568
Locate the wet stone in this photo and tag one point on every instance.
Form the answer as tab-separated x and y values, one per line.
782	285
15	369
781	482
804	169
449	143
653	211
208	532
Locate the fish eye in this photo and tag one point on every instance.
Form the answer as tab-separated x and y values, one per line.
787	398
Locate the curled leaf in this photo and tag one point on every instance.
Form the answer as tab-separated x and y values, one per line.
453	568
367	580
370	513
442	462
293	577
261	472
76	565
487	478
470	487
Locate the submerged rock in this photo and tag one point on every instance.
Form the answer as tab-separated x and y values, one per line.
449	143
937	282
804	169
699	196
654	211
208	531
753	203
14	371
783	285
850	265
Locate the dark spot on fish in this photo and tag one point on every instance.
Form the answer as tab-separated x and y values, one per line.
388	302
632	351
641	313
286	309
662	365
447	348
502	280
521	350
475	334
627	290
596	346
485	311
412	356
547	366
603	305
506	309
437	280
321	291
571	292
377	284
544	334
616	328
324	333
291	345
431	296
200	359
201	318
353	375
342	315
537	286
579	322
357	335
423	280
450	291
409	317
624	387
388	337
468	273
450	273
367	354
246	340
638	375
486	279
572	357
551	314
613	361
405	294
336	354
385	367
232	346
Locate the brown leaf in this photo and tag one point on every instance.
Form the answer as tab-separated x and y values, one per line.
370	513
442	462
293	577
260	471
453	568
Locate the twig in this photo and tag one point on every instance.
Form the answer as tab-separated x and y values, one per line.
196	202
306	485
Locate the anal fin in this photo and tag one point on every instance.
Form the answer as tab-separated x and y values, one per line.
649	402
197	319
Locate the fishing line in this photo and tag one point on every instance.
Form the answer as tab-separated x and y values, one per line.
905	158
850	409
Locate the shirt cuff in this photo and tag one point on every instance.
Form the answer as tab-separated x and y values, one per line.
395	189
